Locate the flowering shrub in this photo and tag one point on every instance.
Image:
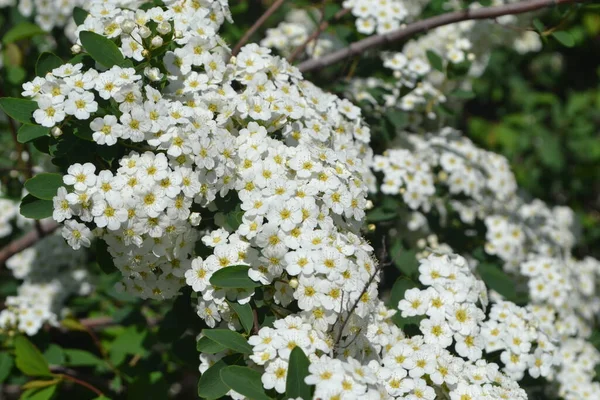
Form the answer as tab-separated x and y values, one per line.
211	196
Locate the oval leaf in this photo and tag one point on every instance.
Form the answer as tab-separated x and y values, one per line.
435	60
29	359
564	37
234	276
46	62
79	15
103	50
28	132
244	313
229	339
19	109
298	370
44	186
32	207
210	385
205	345
245	381
21	31
6	364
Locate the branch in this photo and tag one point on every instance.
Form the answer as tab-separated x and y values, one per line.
324	25
27	240
256	25
371	42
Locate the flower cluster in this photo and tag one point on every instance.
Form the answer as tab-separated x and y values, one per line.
50	271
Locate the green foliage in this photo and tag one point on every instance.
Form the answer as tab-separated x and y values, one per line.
34	208
245	381
6	364
235	277
24	30
44	186
19	109
28	358
210	385
27	132
298	370
46	63
103	50
435	60
228	339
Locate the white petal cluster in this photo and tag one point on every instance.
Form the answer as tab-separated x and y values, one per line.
51	272
378	16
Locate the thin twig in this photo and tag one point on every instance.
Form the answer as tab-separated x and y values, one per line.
26	241
324	25
371	42
82	383
256	26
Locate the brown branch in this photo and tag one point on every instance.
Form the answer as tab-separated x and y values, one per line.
371	42
27	240
85	384
256	25
324	25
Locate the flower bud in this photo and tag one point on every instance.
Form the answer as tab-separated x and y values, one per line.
56	132
293	283
163	28
153	74
178	34
145	32
156	41
128	26
76	49
145	53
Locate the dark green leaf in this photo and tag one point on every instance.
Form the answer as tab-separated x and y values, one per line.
234	276
463	94
564	37
210	385
44	186
298	370
435	60
405	260
103	257
15	75
21	31
378	215
29	359
103	50
496	279
29	132
129	341
44	393
206	345
330	10
398	118
230	339
538	25
245	315
82	358
54	355
19	109
79	15
32	207
6	364
245	381
46	62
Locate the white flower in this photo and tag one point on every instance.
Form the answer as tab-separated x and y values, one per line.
77	234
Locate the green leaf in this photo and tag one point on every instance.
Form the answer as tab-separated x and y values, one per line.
79	15
44	186
330	10
82	358
32	207
19	109
103	50
130	341
538	25
435	60
405	260
205	345
230	339
44	393
15	74
496	279
379	214
29	360
298	370
103	257
245	381
46	62
398	118
210	385
234	276
21	31
462	94
6	364
564	38
28	132
244	313
54	355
